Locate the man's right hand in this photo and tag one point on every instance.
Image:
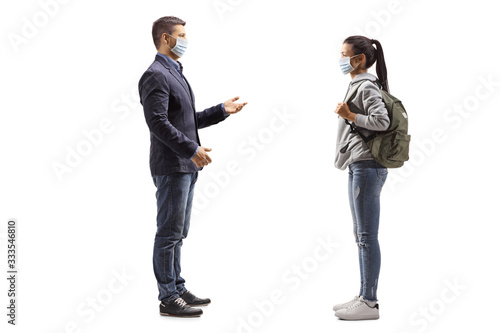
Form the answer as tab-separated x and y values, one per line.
201	158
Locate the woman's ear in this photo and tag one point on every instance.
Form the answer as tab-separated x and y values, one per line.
362	60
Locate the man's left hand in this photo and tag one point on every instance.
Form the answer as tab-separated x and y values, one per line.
232	107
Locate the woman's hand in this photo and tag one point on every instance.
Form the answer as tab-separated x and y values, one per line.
344	111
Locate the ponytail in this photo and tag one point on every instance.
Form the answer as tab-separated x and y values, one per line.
381	68
361	44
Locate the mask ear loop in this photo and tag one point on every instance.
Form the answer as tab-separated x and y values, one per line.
355	57
173	38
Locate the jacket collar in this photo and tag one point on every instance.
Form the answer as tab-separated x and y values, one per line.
171	63
363	76
175	74
164	62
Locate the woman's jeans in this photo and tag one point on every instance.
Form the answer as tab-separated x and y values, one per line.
366	179
174	198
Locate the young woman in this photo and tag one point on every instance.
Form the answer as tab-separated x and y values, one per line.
367	113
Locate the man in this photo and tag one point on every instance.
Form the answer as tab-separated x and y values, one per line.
176	156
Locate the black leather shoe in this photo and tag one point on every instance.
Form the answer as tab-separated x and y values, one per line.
192	300
178	308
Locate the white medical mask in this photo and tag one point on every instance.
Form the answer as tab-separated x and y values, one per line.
180	46
345	64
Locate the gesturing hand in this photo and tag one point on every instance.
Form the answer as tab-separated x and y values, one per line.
201	158
232	107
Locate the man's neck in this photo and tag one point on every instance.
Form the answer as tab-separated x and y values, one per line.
169	54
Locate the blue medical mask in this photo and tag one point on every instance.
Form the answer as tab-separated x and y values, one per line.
180	46
345	64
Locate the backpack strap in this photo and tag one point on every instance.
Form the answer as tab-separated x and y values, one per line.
348	97
355	90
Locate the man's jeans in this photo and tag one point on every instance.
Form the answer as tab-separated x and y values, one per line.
174	197
366	179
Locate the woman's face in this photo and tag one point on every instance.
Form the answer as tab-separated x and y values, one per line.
346	51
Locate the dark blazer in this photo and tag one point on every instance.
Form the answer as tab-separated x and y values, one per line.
172	119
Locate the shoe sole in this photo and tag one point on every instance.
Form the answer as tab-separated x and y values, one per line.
359	319
179	316
356	319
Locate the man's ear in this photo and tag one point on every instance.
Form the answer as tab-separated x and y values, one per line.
165	38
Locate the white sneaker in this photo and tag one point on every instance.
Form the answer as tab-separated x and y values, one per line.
346	305
359	310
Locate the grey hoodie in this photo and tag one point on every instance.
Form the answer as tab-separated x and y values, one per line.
374	118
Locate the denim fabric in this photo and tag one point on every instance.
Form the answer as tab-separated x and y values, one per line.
174	197
366	179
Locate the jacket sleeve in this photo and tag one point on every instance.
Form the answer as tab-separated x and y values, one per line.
211	116
376	117
154	92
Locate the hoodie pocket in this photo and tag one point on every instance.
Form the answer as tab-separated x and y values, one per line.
343	150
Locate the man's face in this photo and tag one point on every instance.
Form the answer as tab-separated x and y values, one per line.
179	32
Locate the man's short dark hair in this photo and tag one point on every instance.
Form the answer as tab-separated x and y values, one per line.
163	25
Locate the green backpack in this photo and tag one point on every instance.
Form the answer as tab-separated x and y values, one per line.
390	148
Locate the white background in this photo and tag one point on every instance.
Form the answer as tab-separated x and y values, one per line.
78	231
